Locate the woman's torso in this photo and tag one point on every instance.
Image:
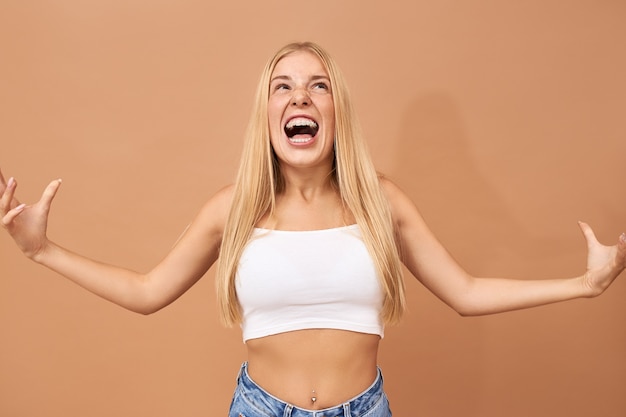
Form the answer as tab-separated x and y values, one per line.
336	364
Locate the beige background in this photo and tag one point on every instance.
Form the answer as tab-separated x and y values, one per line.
503	120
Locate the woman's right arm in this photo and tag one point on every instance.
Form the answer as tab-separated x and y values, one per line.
189	259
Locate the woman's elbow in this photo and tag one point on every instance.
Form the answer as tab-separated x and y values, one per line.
465	304
146	310
150	306
146	300
463	309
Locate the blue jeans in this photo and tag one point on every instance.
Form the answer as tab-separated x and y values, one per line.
250	400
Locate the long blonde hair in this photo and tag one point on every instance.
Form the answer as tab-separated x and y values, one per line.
259	180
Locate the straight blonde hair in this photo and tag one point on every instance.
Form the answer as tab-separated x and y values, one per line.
259	180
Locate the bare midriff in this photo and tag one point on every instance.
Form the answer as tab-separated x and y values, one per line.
329	366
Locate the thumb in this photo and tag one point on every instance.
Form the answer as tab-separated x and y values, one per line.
48	194
590	237
621	250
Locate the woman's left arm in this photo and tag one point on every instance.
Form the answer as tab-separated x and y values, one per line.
434	267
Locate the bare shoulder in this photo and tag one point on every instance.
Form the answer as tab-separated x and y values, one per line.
402	207
213	214
390	188
395	195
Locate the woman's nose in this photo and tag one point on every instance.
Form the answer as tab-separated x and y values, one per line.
300	98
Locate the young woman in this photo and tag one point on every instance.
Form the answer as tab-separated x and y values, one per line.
310	242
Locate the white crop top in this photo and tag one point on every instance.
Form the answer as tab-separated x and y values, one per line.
294	280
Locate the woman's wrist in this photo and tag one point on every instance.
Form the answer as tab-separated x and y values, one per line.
41	255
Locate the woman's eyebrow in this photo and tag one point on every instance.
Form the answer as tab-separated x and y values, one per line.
288	78
280	77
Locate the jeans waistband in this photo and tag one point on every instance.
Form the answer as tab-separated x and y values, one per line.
363	401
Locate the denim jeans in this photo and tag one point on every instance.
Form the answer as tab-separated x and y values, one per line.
250	400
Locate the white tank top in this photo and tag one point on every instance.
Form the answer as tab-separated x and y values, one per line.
317	279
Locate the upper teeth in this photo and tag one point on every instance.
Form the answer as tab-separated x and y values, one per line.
300	121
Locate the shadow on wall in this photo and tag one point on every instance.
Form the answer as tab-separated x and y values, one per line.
466	213
446	353
503	362
436	168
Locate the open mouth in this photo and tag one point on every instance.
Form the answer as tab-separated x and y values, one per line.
301	129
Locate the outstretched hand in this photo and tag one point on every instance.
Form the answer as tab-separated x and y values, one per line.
604	263
27	224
